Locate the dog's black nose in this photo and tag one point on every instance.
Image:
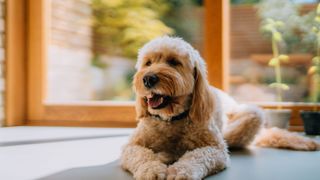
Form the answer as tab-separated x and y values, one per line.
150	80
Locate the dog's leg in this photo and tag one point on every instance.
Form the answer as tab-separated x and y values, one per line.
243	124
143	163
281	138
199	163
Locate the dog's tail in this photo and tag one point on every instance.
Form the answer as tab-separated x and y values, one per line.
283	139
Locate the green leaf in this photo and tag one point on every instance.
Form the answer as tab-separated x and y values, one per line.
314	29
268	27
284	58
270	21
316	60
312	69
274	85
277	36
317	19
284	87
273	62
279	24
279	85
318	9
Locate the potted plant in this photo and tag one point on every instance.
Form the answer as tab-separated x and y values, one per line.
311	119
297	42
277	117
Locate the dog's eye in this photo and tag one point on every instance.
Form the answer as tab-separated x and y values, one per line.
173	62
148	63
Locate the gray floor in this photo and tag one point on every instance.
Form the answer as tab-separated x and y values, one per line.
251	164
75	154
28	153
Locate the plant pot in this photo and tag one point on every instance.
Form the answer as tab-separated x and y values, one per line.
278	118
311	122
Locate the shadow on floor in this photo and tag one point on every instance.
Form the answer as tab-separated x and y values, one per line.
108	171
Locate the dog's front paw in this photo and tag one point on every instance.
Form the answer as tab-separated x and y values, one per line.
153	170
181	173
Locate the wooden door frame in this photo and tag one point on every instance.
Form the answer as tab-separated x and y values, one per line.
216	48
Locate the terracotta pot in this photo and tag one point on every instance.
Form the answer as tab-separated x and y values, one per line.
311	122
278	118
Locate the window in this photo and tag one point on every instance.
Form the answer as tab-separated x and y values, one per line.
68	46
70	58
251	50
92	45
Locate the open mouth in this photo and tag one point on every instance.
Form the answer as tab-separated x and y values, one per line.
157	101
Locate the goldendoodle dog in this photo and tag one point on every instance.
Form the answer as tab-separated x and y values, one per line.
185	125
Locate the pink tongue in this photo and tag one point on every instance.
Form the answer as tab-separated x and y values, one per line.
155	102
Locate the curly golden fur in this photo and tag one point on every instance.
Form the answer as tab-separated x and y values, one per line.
184	123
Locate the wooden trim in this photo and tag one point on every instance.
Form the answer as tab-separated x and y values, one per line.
88	114
37	54
296	128
82	113
216	49
15	64
113	124
295	59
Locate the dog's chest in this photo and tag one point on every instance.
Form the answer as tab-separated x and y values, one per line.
170	143
173	139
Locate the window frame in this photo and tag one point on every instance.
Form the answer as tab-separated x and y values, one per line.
26	54
15	64
106	114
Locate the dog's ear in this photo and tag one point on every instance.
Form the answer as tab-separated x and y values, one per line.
140	105
202	99
141	108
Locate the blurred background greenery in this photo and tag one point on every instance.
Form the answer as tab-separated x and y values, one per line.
121	27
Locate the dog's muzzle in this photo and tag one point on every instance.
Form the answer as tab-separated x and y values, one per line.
150	80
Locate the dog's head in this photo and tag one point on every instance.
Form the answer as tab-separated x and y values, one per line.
171	79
